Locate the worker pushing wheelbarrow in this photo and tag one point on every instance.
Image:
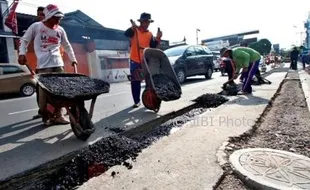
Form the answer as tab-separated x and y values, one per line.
160	80
71	90
149	64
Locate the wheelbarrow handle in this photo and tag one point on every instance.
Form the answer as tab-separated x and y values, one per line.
75	68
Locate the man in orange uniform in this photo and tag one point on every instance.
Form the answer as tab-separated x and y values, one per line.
141	38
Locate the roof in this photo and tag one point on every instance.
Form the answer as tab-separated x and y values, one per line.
78	17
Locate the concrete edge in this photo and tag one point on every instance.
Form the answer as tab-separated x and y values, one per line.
221	155
304	86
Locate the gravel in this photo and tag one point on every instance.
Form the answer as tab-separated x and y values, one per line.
71	86
285	127
166	89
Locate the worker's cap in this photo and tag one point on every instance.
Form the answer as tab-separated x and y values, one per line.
145	17
52	11
224	50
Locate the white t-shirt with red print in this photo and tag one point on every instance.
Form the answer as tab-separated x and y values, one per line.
47	43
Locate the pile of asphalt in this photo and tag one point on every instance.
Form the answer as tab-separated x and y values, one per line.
115	150
71	86
210	100
166	89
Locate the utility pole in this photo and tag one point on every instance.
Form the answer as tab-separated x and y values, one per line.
197	30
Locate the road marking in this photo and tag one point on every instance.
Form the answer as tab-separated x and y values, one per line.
34	109
23	111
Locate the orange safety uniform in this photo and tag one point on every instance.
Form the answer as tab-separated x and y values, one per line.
140	39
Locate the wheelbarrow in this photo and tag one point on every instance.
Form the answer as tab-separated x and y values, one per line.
73	98
157	64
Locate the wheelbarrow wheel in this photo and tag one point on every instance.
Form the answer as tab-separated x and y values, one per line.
150	100
84	127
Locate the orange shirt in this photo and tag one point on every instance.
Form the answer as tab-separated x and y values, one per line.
144	40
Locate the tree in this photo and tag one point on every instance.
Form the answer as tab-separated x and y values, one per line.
263	46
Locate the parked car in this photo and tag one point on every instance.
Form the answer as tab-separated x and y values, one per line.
16	78
216	60
191	60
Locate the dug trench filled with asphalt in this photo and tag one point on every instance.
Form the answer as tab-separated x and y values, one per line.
96	159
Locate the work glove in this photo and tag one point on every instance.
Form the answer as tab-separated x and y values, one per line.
74	63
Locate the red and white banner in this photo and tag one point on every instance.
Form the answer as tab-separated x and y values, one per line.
11	19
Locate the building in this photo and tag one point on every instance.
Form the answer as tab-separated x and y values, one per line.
92	43
307	27
231	40
276	48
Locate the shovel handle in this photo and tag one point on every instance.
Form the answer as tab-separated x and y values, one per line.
31	71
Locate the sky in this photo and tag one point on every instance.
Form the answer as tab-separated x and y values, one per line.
274	19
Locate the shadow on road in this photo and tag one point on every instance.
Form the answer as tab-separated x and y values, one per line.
10	96
27	144
124	120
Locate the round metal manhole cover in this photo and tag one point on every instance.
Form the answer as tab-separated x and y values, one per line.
272	169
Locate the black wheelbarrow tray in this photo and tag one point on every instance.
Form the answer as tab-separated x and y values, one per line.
70	90
160	76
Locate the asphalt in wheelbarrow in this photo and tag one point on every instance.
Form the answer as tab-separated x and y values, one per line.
165	88
73	86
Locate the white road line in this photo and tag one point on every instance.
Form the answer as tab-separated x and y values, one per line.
23	111
34	109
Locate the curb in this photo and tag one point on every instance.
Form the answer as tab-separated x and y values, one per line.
221	154
305	87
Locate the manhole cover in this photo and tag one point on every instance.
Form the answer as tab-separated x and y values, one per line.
272	169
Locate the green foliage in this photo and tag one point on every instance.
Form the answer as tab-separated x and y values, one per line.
263	46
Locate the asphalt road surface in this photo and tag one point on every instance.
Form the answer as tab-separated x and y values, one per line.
26	143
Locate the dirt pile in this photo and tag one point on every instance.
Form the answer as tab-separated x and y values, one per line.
166	89
285	126
74	85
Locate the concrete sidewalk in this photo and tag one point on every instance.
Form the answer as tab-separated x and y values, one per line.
187	158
